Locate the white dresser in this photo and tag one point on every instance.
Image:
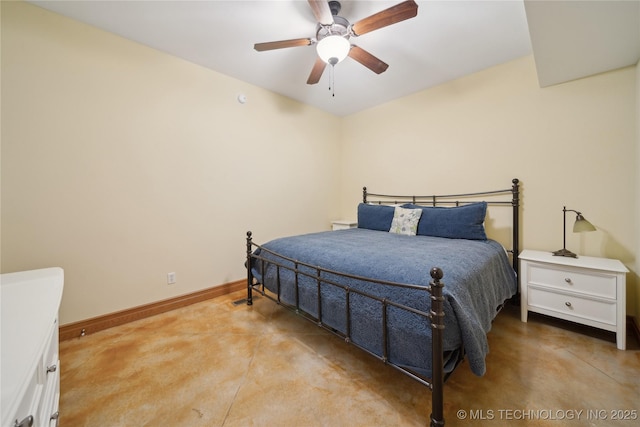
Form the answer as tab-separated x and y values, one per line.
586	290
30	302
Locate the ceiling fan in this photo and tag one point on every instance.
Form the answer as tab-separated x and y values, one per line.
333	33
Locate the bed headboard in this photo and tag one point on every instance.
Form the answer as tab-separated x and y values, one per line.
504	197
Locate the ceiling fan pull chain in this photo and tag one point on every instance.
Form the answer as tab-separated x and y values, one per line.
332	83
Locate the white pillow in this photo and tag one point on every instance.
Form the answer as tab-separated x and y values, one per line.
405	221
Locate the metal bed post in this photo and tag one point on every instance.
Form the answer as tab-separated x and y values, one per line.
249	273
437	336
515	202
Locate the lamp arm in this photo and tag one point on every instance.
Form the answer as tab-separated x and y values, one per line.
564	227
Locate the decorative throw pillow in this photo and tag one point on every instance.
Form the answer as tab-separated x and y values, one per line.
405	221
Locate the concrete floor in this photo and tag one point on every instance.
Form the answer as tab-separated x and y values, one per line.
218	364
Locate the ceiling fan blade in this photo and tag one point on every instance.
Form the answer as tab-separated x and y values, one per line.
282	44
368	60
394	14
316	71
321	11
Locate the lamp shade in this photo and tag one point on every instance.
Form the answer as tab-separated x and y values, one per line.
332	47
582	225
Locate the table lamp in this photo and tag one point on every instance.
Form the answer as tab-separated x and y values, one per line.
581	225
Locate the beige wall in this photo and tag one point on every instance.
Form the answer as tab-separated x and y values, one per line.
572	144
121	164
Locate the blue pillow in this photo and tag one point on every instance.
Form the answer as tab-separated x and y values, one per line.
460	222
375	217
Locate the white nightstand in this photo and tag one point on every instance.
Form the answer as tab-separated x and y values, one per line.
343	224
586	290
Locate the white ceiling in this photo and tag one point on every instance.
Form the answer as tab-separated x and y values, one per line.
447	40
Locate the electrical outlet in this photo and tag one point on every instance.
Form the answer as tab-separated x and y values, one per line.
171	278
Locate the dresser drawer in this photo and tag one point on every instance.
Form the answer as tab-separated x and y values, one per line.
573	280
572	307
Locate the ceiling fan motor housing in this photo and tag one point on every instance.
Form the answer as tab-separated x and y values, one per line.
340	27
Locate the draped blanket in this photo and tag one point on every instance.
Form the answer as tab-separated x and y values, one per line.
477	279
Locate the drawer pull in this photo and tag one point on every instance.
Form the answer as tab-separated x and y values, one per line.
568	304
27	422
567	279
51	368
55	417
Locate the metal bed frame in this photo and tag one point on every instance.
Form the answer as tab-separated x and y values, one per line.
435	288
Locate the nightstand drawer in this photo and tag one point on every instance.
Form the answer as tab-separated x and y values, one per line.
566	306
573	279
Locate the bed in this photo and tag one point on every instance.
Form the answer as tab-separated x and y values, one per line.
417	284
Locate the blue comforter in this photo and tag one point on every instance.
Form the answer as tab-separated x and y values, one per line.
477	279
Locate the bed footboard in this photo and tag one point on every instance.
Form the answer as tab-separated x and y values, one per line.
322	278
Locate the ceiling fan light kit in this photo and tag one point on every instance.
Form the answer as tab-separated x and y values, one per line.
333	49
334	32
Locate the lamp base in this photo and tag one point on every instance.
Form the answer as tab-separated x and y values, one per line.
565	252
